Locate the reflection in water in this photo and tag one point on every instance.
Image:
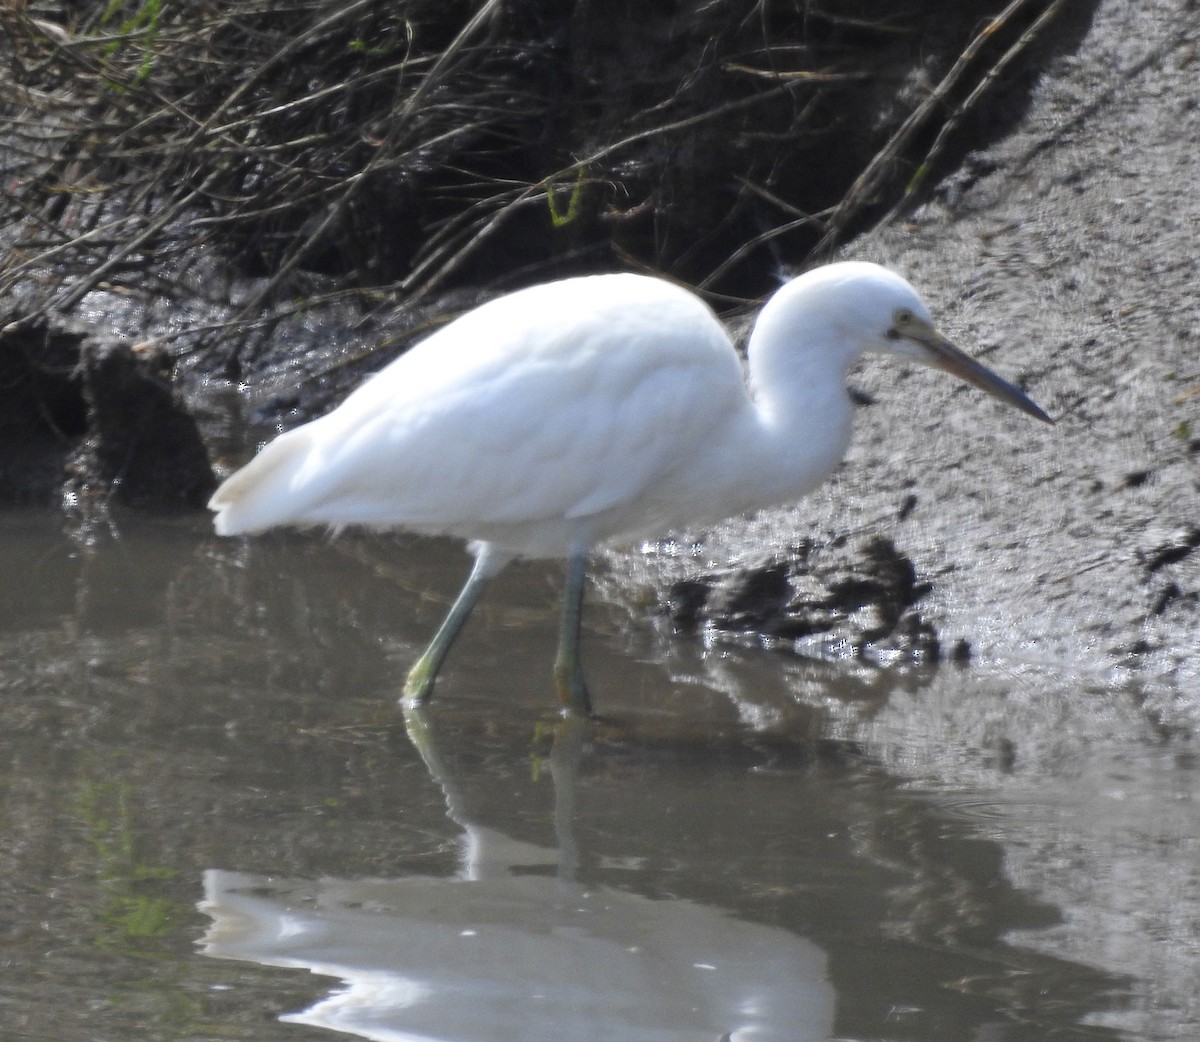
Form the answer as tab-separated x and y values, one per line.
1010	858
512	947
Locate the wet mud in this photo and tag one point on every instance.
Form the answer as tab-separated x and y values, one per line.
1065	257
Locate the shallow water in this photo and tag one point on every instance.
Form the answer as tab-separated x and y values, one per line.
219	825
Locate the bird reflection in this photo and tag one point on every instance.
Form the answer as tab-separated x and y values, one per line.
513	946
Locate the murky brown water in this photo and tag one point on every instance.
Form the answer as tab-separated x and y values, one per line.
217	824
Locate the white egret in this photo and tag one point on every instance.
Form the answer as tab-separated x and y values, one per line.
569	413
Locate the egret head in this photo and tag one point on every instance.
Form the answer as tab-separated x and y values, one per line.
872	309
911	332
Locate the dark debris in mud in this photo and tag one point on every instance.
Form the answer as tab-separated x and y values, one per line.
836	599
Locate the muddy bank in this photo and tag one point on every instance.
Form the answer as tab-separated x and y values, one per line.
1062	252
1065	256
1073	264
365	172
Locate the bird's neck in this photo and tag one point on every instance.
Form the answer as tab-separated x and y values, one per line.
804	411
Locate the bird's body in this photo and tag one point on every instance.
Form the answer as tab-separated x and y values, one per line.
573	412
542	419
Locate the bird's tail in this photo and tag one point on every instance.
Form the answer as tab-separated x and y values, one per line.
263	494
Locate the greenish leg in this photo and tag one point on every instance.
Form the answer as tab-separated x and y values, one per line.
418	688
568	672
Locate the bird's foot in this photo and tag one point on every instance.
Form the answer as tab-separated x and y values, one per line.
572	691
418	685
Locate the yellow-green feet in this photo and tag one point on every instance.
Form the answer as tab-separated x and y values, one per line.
568	673
418	687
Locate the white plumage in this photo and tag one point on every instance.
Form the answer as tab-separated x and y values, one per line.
568	413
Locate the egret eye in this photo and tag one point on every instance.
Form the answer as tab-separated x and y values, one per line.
903	317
